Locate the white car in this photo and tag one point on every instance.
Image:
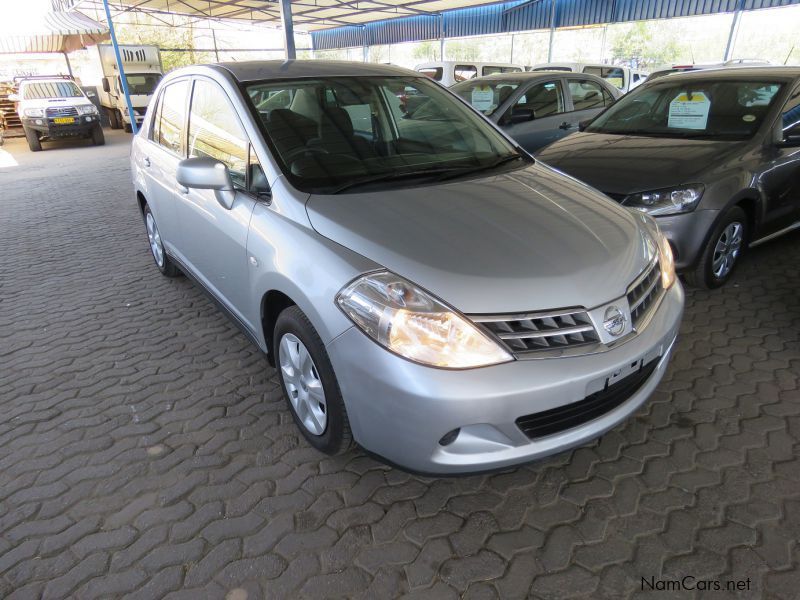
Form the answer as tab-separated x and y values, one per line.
623	78
450	72
55	107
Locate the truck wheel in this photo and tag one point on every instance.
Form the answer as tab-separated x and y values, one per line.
113	118
128	128
98	139
33	140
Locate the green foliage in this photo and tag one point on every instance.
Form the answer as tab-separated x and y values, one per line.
645	44
166	37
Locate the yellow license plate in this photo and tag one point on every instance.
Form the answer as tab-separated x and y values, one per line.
64	120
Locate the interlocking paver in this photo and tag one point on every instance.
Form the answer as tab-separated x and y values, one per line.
146	452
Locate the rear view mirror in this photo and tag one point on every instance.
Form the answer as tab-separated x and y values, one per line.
207	174
106	86
520	115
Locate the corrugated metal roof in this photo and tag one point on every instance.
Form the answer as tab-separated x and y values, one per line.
52	32
522	15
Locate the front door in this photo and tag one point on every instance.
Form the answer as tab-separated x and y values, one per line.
537	117
213	238
588	99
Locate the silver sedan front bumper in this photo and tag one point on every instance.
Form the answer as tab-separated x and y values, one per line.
400	410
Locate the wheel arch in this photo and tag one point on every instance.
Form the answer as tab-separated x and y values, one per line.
272	304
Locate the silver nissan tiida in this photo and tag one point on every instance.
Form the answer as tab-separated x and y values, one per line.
422	285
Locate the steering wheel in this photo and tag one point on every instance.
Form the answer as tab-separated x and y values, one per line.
303	150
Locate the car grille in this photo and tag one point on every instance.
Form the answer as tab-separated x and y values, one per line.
62	111
595	405
536	332
644	292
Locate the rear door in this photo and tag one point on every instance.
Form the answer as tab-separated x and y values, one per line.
536	118
214	239
588	98
160	157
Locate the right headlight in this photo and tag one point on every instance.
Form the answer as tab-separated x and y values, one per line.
666	260
33	113
410	322
669	201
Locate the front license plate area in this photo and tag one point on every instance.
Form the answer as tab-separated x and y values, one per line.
64	120
624	370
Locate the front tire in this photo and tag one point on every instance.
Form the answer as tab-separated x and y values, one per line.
98	139
162	260
32	137
309	383
113	118
722	252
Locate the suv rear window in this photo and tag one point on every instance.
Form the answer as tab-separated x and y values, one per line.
50	89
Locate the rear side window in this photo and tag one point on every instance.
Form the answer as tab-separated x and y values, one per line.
171	117
588	94
614	75
491	70
544	99
464	72
216	132
434	73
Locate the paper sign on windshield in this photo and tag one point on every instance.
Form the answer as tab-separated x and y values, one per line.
689	112
482	98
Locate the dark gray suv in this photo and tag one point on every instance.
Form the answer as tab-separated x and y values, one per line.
713	155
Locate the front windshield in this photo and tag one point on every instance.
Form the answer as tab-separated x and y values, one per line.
486	95
347	132
50	89
143	84
711	109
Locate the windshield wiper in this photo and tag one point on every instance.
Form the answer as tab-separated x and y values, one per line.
468	170
394	175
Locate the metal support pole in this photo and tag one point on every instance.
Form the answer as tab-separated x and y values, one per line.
441	36
737	18
552	30
214	38
511	58
288	28
69	66
121	69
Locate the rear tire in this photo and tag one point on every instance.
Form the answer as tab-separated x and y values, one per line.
157	251
98	138
113	118
309	383
722	252
32	137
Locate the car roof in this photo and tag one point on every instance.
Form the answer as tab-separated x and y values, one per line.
526	75
738	73
289	69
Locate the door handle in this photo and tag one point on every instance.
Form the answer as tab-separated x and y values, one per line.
565	125
146	162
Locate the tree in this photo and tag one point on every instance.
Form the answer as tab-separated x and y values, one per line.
644	44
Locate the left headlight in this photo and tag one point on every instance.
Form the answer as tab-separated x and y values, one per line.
667	261
670	201
410	322
90	109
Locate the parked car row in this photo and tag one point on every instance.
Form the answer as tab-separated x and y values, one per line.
424	287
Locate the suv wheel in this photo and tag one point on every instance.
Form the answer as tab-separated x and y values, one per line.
98	139
722	251
32	138
309	383
164	264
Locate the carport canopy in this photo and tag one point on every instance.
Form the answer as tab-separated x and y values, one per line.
60	32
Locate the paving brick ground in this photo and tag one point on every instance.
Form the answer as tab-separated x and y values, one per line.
145	450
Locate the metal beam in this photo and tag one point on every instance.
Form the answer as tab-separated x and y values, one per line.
737	18
552	31
288	29
122	78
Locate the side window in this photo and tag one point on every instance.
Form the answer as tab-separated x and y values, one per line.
156	119
216	132
791	113
542	99
172	116
588	94
434	73
464	72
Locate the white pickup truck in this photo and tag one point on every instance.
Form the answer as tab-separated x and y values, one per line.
143	71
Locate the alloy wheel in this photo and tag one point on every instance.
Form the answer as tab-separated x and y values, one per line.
727	250
303	385
154	237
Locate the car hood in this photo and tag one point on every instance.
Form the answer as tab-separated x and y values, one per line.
54	102
622	164
527	240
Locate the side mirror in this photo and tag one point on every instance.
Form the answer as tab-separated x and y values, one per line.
520	115
791	138
207	174
13	98
106	86
582	125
